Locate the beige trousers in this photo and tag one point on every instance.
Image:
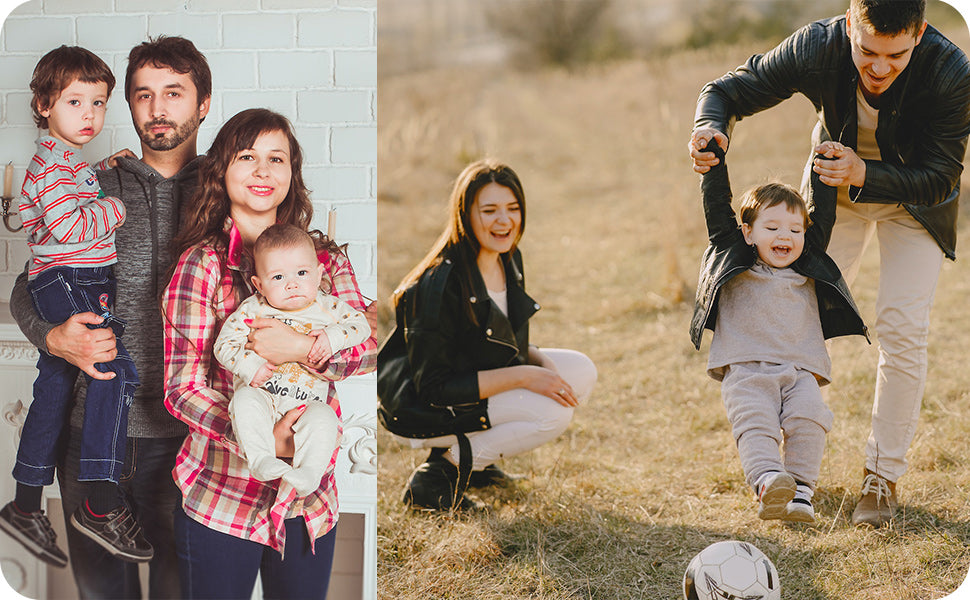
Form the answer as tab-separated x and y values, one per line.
909	267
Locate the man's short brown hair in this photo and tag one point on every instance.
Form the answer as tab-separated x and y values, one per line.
60	68
175	53
889	17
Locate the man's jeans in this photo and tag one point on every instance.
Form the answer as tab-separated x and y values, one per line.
150	491
59	293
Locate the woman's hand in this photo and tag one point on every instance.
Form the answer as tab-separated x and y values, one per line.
277	342
283	432
548	383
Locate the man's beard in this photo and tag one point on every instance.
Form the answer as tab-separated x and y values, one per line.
179	133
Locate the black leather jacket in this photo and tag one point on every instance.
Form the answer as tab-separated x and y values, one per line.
924	117
729	255
446	350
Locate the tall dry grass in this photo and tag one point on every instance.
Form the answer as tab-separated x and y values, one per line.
647	474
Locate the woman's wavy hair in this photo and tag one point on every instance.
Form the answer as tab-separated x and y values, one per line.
205	218
458	239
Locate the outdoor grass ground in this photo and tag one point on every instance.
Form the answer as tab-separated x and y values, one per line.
647	474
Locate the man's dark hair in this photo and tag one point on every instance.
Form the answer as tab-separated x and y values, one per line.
176	53
889	17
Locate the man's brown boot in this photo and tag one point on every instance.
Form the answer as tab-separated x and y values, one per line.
878	503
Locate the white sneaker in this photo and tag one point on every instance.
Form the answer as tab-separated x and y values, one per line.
775	491
800	511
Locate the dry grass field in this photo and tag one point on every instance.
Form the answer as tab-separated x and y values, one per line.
647	474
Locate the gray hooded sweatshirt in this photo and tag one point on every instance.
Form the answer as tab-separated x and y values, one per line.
153	206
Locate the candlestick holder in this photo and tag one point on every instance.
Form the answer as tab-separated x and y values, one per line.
6	214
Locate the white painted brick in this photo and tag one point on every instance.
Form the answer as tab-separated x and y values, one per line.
17	109
336	28
118	114
361	256
37	35
232	70
4	258
221	6
338	183
17	255
264	30
6	284
357	3
203	30
355	221
70	7
288	4
18	146
354	145
34	7
355	69
315	142
118	33
334	106
17	70
298	70
281	102
147	6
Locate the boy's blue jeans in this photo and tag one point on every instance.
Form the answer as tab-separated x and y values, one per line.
58	293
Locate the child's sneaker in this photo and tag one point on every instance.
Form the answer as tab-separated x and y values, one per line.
117	532
34	532
775	491
800	509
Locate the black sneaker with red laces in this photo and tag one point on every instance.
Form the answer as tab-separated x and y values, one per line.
117	532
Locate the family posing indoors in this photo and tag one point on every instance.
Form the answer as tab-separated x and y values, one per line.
205	450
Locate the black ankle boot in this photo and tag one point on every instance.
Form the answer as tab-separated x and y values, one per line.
432	485
491	475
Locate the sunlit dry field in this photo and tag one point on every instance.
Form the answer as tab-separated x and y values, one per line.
647	474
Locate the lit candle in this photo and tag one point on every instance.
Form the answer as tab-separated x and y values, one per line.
331	223
8	180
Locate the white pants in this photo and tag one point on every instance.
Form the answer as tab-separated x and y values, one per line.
909	267
522	420
254	412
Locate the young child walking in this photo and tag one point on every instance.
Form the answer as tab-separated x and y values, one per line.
70	227
772	297
287	282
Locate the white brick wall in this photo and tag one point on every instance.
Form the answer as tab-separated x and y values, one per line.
313	60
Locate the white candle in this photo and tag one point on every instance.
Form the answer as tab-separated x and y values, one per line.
331	223
8	180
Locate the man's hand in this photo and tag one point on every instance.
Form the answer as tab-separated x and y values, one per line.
83	347
113	159
370	313
699	138
846	168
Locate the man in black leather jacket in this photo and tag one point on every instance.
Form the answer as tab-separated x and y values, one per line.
894	94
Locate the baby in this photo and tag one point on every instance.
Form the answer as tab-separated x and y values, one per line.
287	280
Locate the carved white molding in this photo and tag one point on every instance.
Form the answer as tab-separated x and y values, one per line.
362	452
14	413
18	351
15	573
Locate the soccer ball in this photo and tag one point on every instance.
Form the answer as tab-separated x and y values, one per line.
731	571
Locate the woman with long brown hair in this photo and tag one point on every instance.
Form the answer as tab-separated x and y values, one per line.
458	375
231	527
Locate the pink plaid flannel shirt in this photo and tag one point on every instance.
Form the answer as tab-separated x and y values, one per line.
216	485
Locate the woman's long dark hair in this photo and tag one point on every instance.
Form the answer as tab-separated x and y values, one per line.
204	220
458	239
